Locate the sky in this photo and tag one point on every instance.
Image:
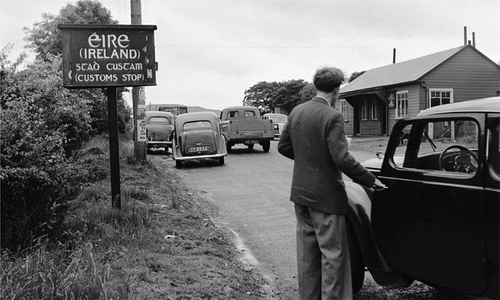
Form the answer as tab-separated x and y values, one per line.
210	51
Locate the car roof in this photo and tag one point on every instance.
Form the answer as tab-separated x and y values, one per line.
484	105
198	115
275	114
239	107
159	113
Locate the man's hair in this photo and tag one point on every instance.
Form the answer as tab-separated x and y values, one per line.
328	79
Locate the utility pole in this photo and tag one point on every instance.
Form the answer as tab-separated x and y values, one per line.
138	95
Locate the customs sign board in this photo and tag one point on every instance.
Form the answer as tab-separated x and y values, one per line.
108	55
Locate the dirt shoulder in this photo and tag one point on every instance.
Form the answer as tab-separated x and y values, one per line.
192	257
369	144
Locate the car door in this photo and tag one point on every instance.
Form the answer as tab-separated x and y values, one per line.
491	204
429	222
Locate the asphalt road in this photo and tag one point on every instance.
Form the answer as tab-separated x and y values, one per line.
251	191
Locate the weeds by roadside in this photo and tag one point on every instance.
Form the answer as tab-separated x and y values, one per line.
160	245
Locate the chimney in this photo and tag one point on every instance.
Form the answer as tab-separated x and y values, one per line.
394	55
474	39
465	35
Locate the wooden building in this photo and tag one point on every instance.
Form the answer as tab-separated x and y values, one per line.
374	101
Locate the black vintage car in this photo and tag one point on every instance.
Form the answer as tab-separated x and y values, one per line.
197	135
159	129
438	220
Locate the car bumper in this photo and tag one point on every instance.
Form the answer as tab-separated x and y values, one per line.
183	158
159	144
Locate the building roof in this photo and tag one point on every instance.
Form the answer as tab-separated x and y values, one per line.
398	73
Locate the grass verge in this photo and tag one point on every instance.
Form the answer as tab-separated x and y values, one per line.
162	244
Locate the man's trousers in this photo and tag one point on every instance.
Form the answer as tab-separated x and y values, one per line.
324	267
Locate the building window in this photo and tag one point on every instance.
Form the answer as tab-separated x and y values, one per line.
440	97
365	110
374	110
402	105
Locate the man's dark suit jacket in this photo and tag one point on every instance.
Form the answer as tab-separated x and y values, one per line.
314	138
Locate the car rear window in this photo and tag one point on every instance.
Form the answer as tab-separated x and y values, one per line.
198	125
249	114
233	114
159	120
280	119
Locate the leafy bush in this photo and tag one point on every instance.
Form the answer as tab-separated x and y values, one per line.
36	184
42	124
37	94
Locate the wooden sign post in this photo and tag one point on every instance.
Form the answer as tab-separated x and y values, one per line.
109	56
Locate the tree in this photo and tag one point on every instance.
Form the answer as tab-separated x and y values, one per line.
288	94
45	37
261	95
307	93
6	66
355	75
269	95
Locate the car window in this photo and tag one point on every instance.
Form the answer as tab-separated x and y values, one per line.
278	119
449	145
198	125
233	114
249	114
160	119
494	145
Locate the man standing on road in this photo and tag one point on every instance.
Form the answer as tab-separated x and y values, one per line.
314	138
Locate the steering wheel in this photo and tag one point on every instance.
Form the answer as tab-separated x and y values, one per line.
465	162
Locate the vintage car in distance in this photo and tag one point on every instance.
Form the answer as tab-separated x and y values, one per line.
159	129
438	220
246	126
279	121
197	135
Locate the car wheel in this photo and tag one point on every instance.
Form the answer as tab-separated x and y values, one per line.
357	262
178	164
228	146
266	145
221	160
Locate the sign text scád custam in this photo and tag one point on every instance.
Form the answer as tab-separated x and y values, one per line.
108	55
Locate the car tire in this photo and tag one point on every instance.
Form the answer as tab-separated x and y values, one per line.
228	146
266	145
221	160
357	262
178	164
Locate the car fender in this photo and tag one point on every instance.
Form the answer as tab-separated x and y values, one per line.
359	216
176	151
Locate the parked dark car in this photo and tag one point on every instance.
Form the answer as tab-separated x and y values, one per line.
159	129
438	220
198	136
